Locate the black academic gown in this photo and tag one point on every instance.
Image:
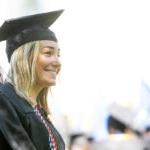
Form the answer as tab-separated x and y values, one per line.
20	127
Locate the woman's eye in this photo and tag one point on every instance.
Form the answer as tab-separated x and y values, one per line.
48	53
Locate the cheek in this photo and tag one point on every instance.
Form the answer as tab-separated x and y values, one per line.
41	62
39	69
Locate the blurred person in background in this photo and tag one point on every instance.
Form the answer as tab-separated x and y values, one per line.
33	52
80	141
123	134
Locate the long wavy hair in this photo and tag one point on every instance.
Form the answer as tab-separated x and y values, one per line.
22	74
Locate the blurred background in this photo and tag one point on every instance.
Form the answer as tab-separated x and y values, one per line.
105	76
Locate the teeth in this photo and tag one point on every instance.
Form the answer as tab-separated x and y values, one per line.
50	70
53	70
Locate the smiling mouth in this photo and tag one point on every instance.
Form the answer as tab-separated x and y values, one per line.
50	70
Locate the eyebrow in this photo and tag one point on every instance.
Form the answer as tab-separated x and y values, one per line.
52	47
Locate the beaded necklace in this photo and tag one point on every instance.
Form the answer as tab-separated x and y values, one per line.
52	141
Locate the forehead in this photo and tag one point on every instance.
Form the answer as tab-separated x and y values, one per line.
48	43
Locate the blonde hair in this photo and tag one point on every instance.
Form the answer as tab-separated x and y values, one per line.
22	73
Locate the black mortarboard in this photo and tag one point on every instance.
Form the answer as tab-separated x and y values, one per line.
25	29
114	123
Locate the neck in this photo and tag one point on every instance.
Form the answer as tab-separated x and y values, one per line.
33	94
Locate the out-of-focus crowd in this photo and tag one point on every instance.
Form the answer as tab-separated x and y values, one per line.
122	134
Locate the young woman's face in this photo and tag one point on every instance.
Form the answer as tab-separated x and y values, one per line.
48	63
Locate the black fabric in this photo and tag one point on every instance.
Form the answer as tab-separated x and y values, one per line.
21	30
20	128
28	35
3	143
11	127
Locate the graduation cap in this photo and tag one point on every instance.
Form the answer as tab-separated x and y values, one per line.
116	125
25	29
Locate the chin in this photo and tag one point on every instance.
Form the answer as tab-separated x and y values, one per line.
48	83
51	83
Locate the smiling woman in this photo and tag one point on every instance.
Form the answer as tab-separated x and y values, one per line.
33	53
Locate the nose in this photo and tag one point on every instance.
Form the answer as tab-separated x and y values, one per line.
56	63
